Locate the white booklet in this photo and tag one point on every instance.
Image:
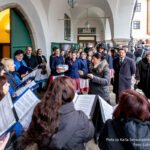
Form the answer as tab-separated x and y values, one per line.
86	103
30	75
7	118
20	111
28	85
24	107
106	110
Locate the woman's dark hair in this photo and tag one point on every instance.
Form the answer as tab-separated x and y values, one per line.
38	51
132	105
19	52
3	80
54	48
1	67
98	56
46	115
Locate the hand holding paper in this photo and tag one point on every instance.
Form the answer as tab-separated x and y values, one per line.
91	76
81	72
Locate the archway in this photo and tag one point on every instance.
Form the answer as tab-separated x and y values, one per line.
35	21
16	32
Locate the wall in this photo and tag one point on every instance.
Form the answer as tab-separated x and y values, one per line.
95	24
142	17
56	26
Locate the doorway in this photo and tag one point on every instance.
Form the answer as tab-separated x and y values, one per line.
14	34
84	39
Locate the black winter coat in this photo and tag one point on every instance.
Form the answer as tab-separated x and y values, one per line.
74	130
99	85
143	74
32	62
125	134
39	59
123	74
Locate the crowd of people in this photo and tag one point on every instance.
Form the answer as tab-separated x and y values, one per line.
93	69
55	124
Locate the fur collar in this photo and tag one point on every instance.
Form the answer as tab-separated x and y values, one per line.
103	64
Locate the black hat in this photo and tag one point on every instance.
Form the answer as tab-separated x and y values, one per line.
101	46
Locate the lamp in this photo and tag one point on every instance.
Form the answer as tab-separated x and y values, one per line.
7	28
72	3
87	25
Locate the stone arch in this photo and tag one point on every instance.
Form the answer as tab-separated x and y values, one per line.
104	6
20	11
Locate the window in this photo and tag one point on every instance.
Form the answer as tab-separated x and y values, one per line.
136	25
138	7
67	28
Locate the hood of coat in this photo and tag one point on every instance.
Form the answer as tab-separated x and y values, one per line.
138	129
103	64
135	128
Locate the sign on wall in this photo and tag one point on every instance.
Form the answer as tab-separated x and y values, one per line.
86	30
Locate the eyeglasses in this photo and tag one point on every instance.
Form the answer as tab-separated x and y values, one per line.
20	56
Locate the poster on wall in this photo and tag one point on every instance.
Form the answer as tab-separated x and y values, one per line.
66	47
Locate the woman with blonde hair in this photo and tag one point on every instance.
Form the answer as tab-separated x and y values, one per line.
12	76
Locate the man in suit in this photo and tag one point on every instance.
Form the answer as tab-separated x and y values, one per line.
30	59
124	68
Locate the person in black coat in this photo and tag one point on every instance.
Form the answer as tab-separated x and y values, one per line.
124	69
29	58
143	74
56	125
130	127
99	75
41	58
